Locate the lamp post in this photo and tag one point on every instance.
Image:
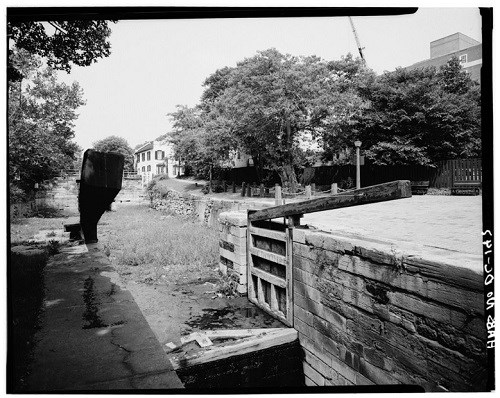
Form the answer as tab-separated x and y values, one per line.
357	144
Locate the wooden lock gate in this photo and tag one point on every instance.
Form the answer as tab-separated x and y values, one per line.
270	243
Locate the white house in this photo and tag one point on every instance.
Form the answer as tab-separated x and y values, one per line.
156	157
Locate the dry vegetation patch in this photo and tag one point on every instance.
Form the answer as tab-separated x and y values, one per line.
157	247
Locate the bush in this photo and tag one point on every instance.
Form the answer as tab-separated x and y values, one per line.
217	187
17	195
46	211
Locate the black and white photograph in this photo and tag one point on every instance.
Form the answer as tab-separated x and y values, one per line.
213	199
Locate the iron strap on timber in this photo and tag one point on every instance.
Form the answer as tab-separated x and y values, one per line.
269	244
372	194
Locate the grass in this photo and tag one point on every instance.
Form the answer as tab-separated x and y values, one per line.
26	292
156	247
23	229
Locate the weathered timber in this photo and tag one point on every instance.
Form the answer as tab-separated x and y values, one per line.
237	333
267	233
273	257
376	193
266	276
251	344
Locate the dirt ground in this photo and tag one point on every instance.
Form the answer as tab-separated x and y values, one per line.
186	303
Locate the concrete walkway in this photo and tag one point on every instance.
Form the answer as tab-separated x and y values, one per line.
93	335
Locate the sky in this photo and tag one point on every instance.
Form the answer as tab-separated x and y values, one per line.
157	64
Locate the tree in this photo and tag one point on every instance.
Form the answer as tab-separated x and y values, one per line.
419	116
40	122
268	101
119	145
74	42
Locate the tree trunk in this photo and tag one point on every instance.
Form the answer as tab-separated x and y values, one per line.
286	171
287	175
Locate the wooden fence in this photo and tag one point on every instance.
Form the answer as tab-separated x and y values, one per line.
440	176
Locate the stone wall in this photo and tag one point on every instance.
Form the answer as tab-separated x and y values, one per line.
233	247
206	209
368	315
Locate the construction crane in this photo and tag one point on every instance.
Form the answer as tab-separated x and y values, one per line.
360	49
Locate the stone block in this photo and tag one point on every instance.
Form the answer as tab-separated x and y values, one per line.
299	236
238	218
223	268
313	375
302	315
328	242
314	347
464	299
242	288
375	374
343	369
307	291
323	368
427	309
305	277
309	382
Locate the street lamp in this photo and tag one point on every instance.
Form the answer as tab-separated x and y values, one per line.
357	144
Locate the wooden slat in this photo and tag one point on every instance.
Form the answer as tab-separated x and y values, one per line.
266	276
376	193
215	353
289	277
275	258
236	333
252	296
267	233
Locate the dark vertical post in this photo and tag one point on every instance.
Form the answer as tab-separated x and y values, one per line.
243	187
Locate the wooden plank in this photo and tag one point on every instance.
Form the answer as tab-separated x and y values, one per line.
266	276
267	233
252	294
274	299
289	276
376	193
236	333
215	353
277	314
275	258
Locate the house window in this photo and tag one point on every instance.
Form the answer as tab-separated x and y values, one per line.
143	168
463	59
149	167
143	156
162	155
149	155
138	158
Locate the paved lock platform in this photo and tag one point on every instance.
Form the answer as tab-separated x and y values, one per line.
93	336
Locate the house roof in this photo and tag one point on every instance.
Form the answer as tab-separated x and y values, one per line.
146	147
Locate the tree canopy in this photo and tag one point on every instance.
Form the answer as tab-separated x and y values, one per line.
420	116
40	119
271	104
119	145
74	42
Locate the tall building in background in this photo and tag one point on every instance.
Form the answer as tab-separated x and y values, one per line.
465	48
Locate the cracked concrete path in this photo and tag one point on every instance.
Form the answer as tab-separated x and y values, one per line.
93	335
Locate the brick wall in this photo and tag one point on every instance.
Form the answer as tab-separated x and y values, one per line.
233	247
372	316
